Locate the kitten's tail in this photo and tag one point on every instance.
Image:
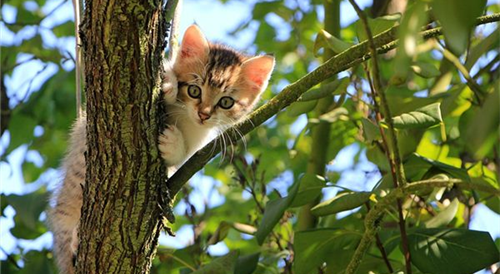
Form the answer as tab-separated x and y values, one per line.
64	242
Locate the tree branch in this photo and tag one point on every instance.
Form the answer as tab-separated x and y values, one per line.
391	148
384	42
372	219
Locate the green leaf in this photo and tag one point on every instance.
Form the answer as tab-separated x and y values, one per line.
298	108
333	116
377	25
247	264
29	206
310	186
220	234
261	9
31	172
326	40
416	166
37	262
27	17
409	36
273	212
493	203
65	29
313	247
336	87
371	131
22	231
21	130
222	265
341	202
481	132
484	45
420	118
457	17
444	217
35	46
425	70
3	204
451	251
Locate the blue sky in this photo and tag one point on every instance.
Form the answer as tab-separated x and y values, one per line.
216	20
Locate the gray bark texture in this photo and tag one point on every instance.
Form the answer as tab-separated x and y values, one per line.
122	213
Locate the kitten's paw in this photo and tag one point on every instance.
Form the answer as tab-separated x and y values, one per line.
169	84
171	146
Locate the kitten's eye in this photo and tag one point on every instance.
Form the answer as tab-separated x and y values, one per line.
194	91
226	102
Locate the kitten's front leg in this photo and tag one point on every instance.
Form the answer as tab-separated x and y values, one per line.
169	83
172	146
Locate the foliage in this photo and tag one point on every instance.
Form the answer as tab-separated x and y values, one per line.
443	95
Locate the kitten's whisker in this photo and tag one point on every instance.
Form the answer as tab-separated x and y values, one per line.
232	147
225	148
222	147
242	137
214	145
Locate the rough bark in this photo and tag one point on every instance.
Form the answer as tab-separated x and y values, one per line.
121	218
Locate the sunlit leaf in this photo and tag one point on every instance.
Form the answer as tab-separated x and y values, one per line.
481	131
484	45
341	202
326	40
457	17
298	108
335	87
425	70
314	247
371	132
333	116
451	251
417	164
444	217
420	118
413	20
377	25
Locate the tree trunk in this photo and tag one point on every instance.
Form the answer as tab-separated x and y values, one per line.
120	224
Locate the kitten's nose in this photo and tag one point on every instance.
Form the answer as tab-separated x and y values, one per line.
203	116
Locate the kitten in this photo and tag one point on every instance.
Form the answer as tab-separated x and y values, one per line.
208	88
217	87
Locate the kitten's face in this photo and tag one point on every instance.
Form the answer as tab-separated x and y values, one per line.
217	85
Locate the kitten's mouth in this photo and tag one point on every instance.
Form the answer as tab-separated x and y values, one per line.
202	122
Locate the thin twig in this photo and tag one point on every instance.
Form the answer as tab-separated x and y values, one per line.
392	150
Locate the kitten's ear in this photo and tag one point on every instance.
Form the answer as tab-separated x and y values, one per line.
257	71
194	44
